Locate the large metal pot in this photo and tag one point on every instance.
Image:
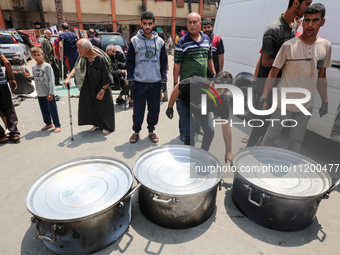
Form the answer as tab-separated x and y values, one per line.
279	189
178	190
82	205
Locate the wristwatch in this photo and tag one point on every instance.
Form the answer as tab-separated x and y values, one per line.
261	99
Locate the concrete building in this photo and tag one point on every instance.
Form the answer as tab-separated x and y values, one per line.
109	15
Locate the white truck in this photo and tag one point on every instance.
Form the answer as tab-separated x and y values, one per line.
241	24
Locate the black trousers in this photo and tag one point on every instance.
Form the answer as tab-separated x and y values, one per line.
6	106
55	72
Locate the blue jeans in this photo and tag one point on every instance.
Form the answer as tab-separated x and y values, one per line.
187	124
49	111
296	134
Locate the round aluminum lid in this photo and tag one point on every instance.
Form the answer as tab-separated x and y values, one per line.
177	170
78	188
281	171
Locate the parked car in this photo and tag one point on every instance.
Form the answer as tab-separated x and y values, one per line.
38	43
114	38
10	47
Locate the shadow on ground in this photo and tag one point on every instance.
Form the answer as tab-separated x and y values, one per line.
273	237
82	138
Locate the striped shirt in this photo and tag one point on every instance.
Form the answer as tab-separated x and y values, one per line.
3	80
193	56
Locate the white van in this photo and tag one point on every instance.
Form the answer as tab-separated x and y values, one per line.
241	24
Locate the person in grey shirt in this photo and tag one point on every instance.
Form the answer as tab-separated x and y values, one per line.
43	77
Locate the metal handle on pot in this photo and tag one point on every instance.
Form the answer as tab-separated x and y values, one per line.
157	199
133	191
263	195
331	189
54	227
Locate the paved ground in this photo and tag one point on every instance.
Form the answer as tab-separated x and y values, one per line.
227	231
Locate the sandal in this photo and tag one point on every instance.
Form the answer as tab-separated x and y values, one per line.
57	129
105	132
245	139
47	127
94	128
14	139
3	140
153	137
134	138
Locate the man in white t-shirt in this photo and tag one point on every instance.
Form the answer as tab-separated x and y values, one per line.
303	61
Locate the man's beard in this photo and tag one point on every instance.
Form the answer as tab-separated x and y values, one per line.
147	32
208	33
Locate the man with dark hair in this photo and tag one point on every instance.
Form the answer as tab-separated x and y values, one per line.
303	61
278	32
189	92
146	65
68	45
93	39
217	46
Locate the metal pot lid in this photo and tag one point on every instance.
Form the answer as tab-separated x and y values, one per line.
281	171
171	170
78	188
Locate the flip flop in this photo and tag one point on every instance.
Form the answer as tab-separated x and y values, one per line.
153	137
46	127
245	139
14	139
134	138
105	132
94	128
4	141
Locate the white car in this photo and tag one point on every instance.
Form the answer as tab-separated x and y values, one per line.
11	47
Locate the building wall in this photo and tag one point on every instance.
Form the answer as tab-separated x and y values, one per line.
97	11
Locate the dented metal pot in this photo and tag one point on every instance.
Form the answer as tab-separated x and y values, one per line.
178	187
279	189
83	205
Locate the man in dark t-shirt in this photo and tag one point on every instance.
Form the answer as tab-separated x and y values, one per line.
189	92
68	43
278	32
93	39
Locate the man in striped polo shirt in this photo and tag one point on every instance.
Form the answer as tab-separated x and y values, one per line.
6	104
192	58
193	51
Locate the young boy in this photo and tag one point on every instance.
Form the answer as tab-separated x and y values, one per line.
44	83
